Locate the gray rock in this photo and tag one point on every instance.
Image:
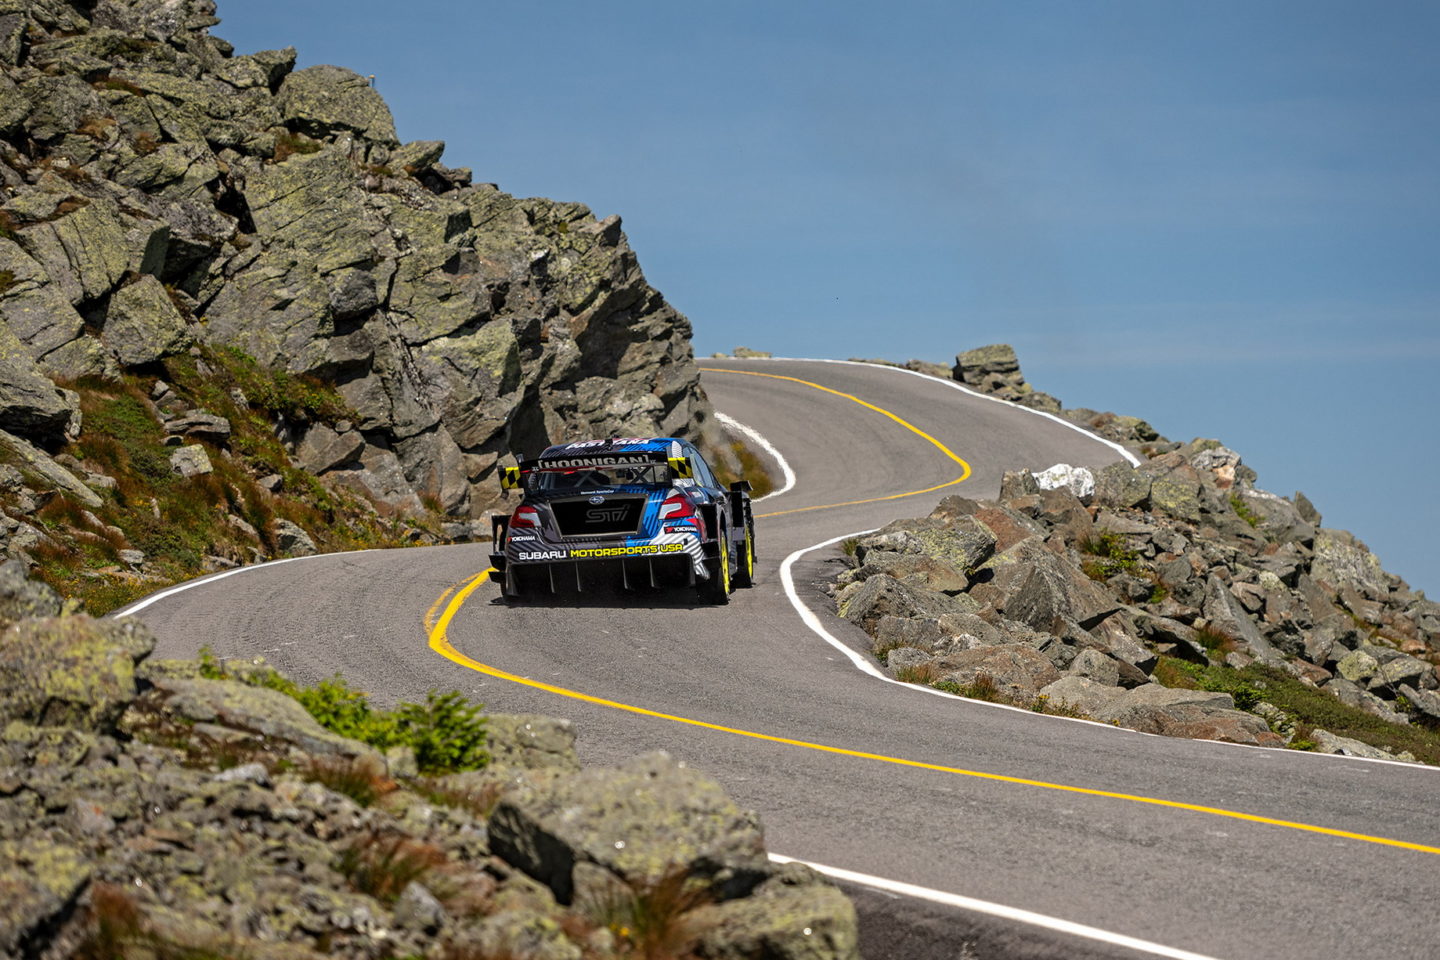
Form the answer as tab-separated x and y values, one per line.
1080	481
37	461
1342	560
1018	670
906	658
638	820
1033	585
1018	483
1121	485
1327	742
1402	669
30	404
201	425
418	909
789	917
291	539
265	717
21	597
42	879
1353	695
142	324
1195	714
1080	693
1227	616
1093	665
325	101
323	449
191	461
528	741
882	595
1425	703
70	671
1357	667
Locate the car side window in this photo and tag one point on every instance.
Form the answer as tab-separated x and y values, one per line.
702	469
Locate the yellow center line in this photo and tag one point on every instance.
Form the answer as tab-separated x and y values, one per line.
440	643
964	467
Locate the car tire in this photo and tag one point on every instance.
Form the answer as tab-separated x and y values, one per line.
744	575
716	588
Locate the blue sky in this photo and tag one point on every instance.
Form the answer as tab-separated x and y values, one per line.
1220	216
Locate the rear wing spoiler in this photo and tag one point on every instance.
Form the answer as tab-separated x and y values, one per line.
513	477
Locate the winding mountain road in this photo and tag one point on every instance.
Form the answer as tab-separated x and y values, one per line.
1196	848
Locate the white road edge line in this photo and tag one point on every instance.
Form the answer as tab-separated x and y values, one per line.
759	440
998	910
200	582
1118	448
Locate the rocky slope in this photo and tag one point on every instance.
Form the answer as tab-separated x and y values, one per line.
159	192
1175	598
188	809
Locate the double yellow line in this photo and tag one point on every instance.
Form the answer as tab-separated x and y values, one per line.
444	610
964	467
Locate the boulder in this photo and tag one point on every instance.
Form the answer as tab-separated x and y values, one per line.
916	570
1016	484
40	880
35	460
201	425
1120	485
226	710
1195	714
1175	488
191	461
21	597
291	540
882	595
1341	560
326	101
30	403
1402	669
1018	669
640	821
142	324
1424	703
1080	693
323	449
1091	664
1040	589
1327	742
795	915
1080	481
70	671
526	741
1227	616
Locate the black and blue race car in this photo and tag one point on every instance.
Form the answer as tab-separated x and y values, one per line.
629	511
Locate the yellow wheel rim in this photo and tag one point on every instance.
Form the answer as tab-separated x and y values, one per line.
749	555
725	569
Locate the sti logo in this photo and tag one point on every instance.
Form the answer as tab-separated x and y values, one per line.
604	514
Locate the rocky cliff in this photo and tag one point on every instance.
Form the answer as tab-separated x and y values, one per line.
160	195
1176	597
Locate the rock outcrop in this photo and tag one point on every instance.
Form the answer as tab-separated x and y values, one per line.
159	191
1167	597
157	808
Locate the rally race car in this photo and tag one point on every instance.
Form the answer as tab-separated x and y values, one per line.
631	512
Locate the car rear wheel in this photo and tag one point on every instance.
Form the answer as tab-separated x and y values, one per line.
716	588
745	562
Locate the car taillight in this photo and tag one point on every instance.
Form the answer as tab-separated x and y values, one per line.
676	507
525	517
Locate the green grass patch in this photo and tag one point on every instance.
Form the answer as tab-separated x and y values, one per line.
1237	503
1310	706
447	731
1107	555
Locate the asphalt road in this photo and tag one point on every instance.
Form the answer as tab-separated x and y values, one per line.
853	772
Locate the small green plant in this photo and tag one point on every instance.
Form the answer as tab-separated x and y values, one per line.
1216	642
447	731
923	673
850	546
1109	555
1237	503
983	687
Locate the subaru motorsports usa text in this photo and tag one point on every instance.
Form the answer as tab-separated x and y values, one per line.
631	512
